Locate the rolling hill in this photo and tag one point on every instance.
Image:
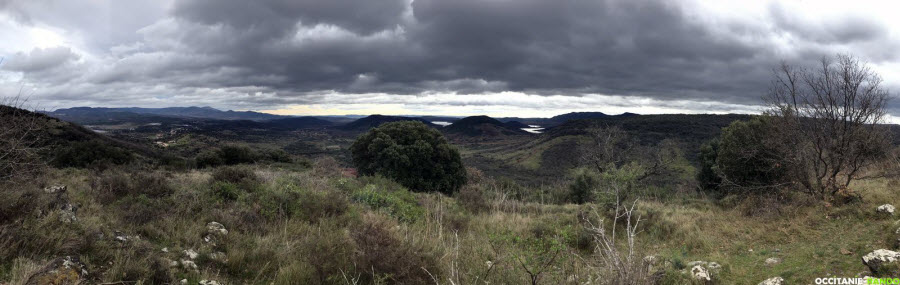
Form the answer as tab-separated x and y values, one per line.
364	124
481	126
299	123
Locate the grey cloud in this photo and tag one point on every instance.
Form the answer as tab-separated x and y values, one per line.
40	59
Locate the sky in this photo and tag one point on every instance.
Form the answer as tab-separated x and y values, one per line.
525	58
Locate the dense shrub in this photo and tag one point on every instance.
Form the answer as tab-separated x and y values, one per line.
225	191
412	154
318	205
228	183
400	204
87	153
113	184
239	154
275	155
389	258
751	157
708	176
583	187
209	158
235	174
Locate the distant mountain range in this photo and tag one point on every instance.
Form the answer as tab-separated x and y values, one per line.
470	126
179	112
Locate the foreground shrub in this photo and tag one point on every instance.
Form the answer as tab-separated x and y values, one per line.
400	204
113	184
387	258
412	154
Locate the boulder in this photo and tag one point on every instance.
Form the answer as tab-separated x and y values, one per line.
218	256
883	262
216	229
67	213
123	238
772	261
772	281
64	270
703	270
209	282
699	272
886	209
55	189
191	254
214	232
188	265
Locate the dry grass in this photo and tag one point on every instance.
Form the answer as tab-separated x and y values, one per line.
289	227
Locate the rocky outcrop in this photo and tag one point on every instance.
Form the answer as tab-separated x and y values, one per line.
699	272
215	228
64	270
885	210
883	262
215	232
702	270
55	189
772	281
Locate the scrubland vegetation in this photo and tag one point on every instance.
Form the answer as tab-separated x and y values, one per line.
752	206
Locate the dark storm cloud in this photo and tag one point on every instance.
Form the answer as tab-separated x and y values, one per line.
296	50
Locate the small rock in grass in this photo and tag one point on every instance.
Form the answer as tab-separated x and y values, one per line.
886	209
772	281
191	254
215	228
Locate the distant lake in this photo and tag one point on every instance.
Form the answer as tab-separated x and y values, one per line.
534	129
441	123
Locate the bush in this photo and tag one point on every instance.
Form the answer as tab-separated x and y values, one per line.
411	153
111	185
583	187
235	174
400	204
225	191
209	158
275	155
749	156
390	259
88	153
237	154
708	176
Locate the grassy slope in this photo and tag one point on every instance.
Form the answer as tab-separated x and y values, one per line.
266	245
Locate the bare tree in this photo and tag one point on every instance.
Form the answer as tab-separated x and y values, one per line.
19	139
829	119
620	264
611	148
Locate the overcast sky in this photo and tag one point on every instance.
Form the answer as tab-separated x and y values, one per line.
453	57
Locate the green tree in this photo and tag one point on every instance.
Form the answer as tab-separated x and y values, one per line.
411	153
582	189
751	157
708	176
